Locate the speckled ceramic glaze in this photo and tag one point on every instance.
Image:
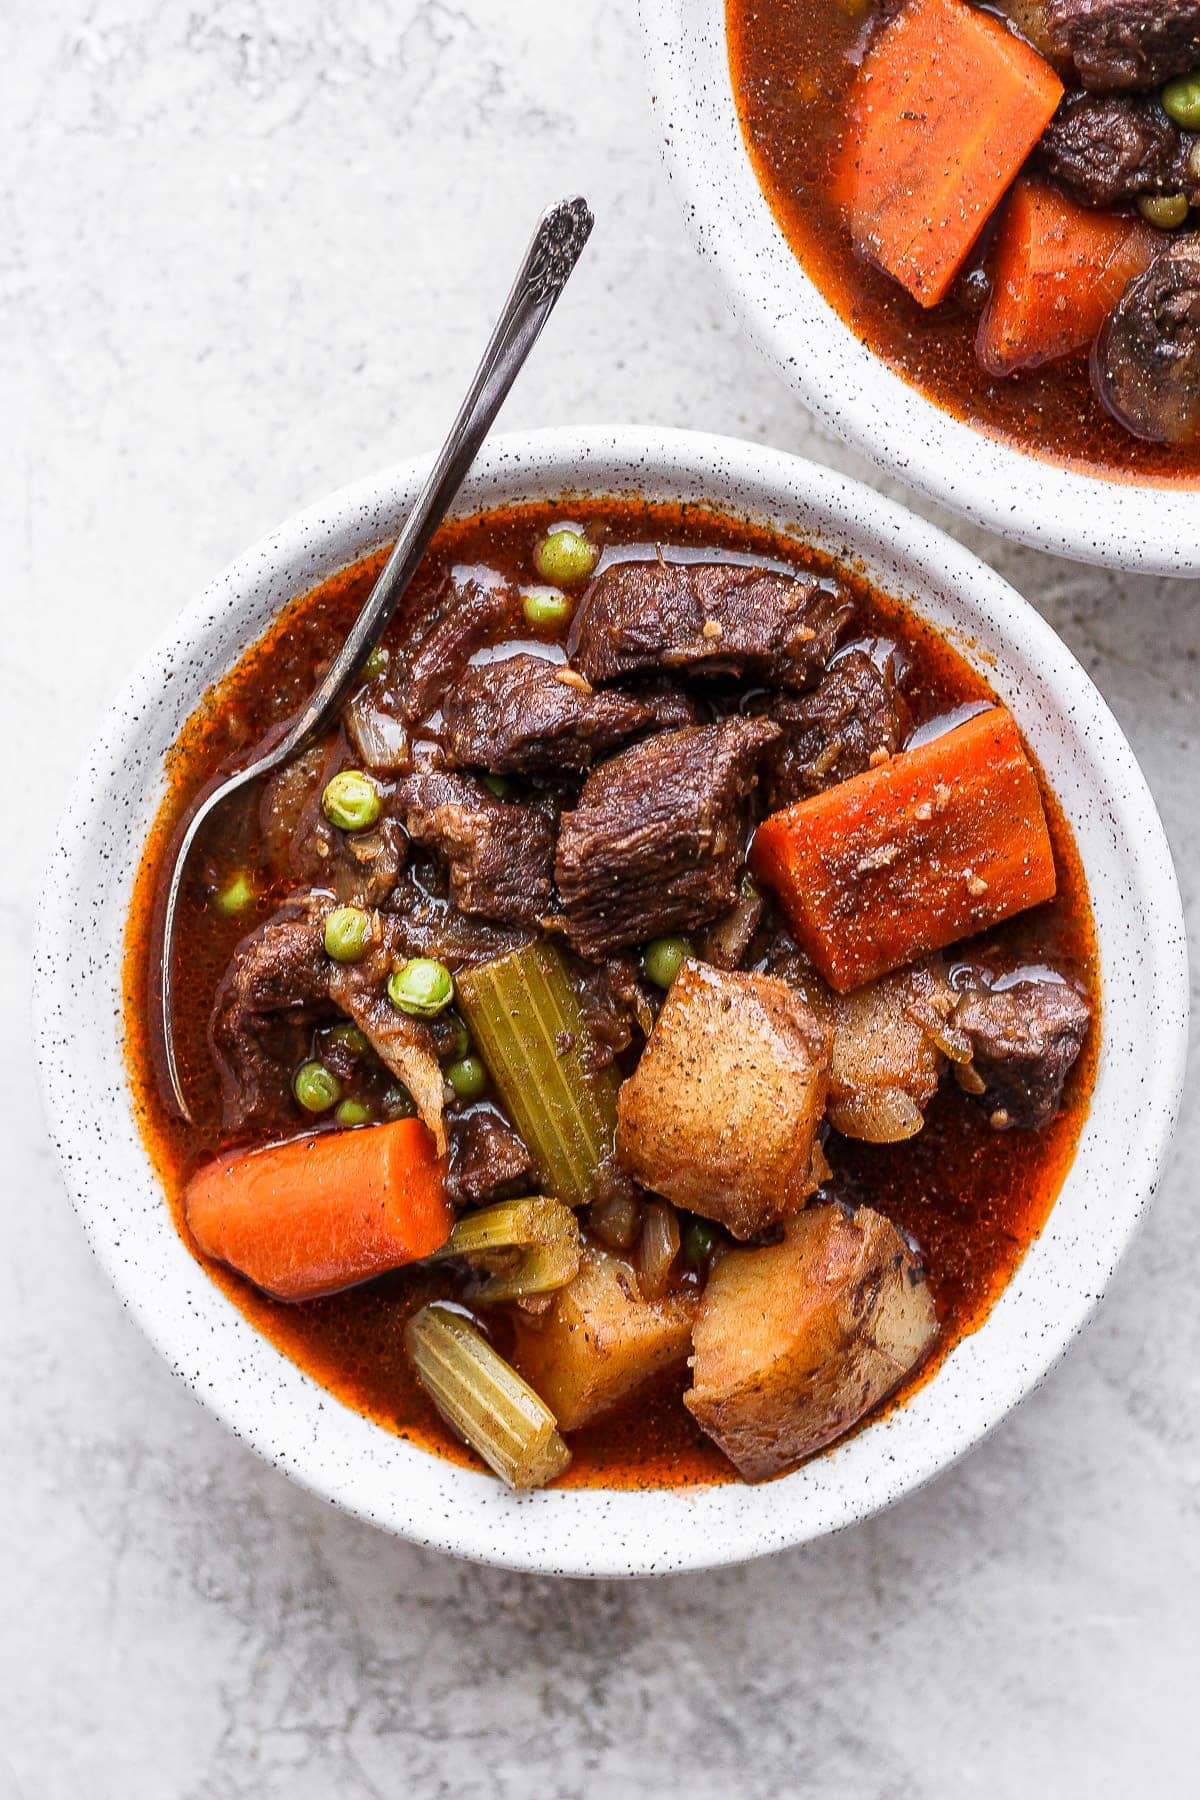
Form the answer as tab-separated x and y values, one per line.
286	1416
1129	526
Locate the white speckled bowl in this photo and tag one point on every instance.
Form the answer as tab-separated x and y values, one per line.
1155	529
287	1417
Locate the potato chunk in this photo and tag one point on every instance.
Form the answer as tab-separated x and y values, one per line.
599	1340
722	1111
796	1342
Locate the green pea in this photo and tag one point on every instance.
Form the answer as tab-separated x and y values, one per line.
699	1242
1165	211
460	1040
376	663
663	957
237	896
398	1103
468	1077
354	1112
316	1087
565	556
499	785
347	932
351	1039
545	608
351	801
421	987
1181	100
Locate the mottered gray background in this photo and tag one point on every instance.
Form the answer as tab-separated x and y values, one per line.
248	250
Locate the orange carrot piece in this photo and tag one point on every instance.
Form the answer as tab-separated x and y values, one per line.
946	107
322	1212
940	842
1059	270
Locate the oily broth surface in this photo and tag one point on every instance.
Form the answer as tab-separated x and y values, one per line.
972	1199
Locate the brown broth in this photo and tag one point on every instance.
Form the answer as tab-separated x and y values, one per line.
792	64
973	1199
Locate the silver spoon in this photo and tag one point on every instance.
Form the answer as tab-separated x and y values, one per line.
557	243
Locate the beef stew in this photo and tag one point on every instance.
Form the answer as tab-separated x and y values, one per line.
520	1074
999	200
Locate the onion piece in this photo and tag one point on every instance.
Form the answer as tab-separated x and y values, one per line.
616	1221
657	1248
969	1079
379	737
885	1115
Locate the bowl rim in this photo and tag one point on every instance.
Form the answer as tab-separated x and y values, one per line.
1136	527
267	1400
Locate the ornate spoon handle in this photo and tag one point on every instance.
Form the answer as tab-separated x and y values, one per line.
545	269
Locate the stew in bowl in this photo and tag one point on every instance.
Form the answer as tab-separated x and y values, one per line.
646	1045
965	233
673	961
998	199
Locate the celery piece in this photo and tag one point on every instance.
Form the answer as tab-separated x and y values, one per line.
484	1400
525	1018
540	1271
528	1246
510	1225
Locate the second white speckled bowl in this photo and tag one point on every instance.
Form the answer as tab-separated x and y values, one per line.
1124	524
267	1400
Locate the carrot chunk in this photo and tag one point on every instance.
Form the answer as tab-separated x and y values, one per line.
946	107
322	1212
1059	270
940	842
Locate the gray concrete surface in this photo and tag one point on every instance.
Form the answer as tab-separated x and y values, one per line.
247	251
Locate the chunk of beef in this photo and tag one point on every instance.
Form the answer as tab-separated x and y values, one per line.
499	855
526	716
281	983
707	618
1107	151
615	1004
853	719
421	924
367	863
403	1044
1146	361
1116	45
471	613
488	1161
671	707
282	967
275	988
1024	1041
655	843
796	1342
